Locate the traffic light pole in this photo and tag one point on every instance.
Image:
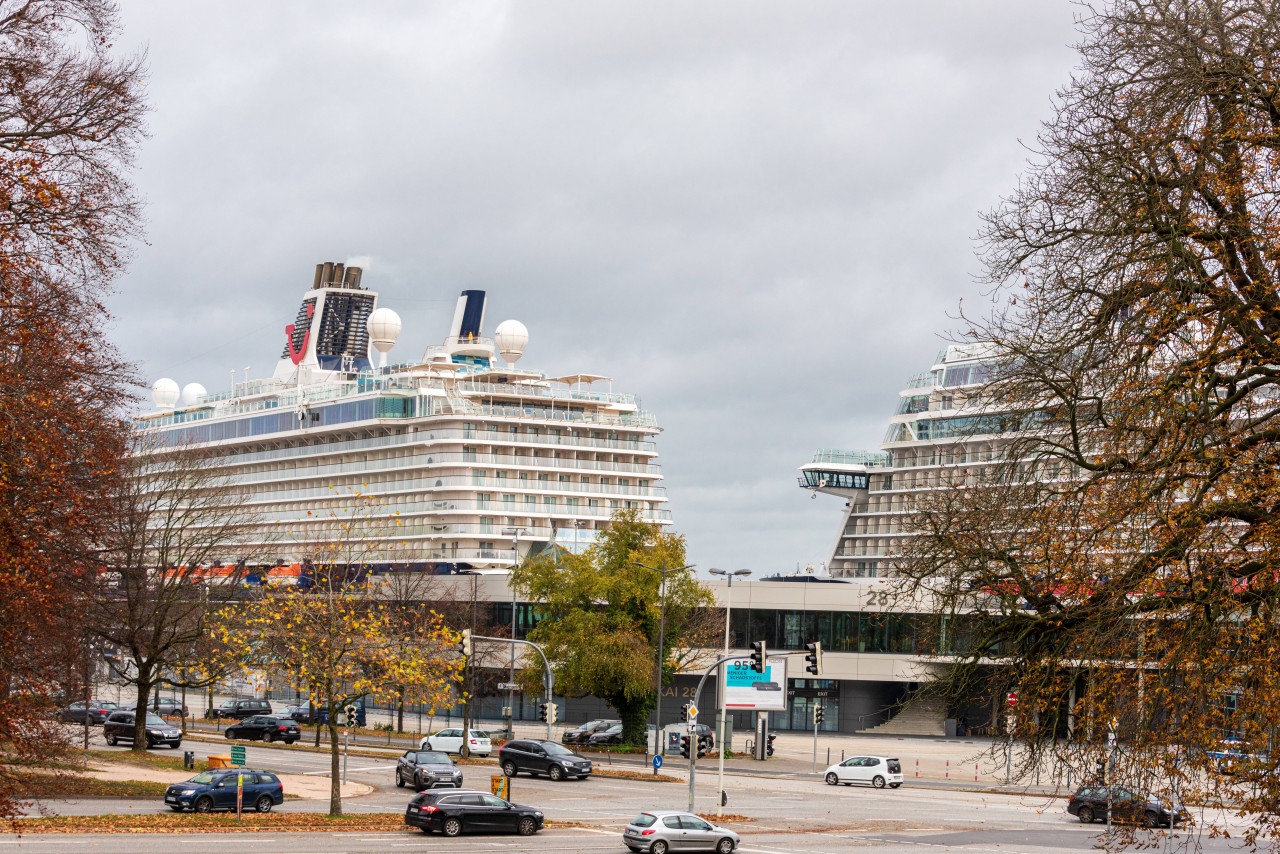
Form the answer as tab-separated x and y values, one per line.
551	677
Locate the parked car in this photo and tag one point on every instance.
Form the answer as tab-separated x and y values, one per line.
119	727
302	714
97	712
706	735
542	757
450	741
660	831
166	706
579	734
1089	804
452	813
605	737
266	728
423	769
240	709
876	770
216	790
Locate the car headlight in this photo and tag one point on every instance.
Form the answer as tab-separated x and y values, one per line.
187	792
156	731
538	814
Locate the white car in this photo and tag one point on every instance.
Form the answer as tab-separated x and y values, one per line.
450	741
879	771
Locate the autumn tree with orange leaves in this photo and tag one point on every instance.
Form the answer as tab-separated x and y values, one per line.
1120	567
70	118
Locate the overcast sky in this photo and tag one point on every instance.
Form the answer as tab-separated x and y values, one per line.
757	216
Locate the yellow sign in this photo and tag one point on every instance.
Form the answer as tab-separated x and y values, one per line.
693	711
500	785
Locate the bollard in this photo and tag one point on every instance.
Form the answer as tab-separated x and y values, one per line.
189	759
975	773
947	773
917	767
828	755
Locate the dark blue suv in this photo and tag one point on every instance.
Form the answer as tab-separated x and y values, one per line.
216	790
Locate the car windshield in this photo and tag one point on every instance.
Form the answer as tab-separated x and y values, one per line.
556	749
643	820
432	757
204	778
155	720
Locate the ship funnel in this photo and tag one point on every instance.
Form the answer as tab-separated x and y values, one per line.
468	317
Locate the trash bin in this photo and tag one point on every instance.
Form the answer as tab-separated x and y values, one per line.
189	759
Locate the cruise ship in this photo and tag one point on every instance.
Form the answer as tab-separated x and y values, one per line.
479	461
933	433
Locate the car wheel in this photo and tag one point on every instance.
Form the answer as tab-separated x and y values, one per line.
1085	815
832	779
509	768
527	826
556	773
877	781
151	743
658	847
452	827
112	740
204	803
894	785
399	779
724	846
1150	819
268	737
264	804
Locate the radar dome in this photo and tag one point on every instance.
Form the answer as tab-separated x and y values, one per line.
192	392
164	392
384	329
511	336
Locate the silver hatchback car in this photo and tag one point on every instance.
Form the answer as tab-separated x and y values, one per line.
660	831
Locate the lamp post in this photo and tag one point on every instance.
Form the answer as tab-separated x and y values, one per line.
724	687
515	533
662	628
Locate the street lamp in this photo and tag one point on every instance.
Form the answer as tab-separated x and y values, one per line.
662	628
724	687
515	533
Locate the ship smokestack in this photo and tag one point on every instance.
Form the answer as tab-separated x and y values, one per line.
468	317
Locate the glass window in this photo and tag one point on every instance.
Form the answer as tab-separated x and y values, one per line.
671	821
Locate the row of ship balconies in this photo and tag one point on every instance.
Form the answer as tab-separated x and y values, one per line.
472	509
337	493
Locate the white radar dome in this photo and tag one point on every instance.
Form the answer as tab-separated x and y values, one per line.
384	329
511	336
164	392
192	392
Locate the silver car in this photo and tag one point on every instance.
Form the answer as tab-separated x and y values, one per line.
660	831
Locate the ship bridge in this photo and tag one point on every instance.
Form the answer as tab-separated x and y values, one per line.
844	473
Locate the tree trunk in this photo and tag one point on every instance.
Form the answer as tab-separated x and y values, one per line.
335	765
145	683
400	710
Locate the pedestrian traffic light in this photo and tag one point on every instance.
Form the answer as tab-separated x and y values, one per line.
684	746
466	642
819	714
759	657
544	711
814	658
684	713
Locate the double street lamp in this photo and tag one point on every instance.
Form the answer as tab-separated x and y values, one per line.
729	575
662	628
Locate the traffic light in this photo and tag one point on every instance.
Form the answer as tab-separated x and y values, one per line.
702	748
819	713
352	716
814	658
551	715
684	713
684	746
544	712
759	657
466	642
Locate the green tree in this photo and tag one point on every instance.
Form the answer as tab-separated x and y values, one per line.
598	616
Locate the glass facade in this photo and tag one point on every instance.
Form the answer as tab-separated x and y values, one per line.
279	422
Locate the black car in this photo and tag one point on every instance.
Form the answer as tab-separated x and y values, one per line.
216	790
423	769
706	736
239	709
97	711
1089	804
579	735
119	727
605	737
542	757
302	714
266	728
452	813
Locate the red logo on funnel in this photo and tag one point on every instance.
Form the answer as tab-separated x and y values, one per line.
296	357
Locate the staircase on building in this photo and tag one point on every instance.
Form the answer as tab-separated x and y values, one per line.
921	714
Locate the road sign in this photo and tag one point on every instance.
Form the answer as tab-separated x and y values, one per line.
693	712
508	686
657	762
237	754
500	785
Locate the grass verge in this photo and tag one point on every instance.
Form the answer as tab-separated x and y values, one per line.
222	823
